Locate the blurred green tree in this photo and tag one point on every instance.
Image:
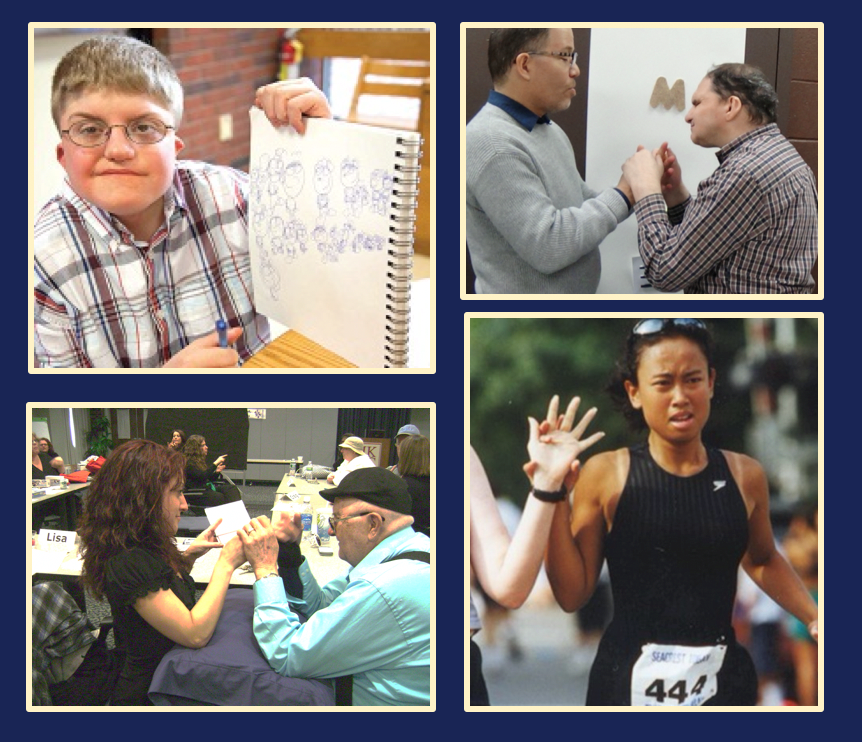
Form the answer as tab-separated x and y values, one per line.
517	364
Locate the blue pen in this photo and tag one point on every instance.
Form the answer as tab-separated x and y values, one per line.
221	329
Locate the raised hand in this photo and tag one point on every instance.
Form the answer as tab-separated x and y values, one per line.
555	445
205	541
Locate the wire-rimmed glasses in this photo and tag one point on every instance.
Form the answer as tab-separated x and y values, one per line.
93	133
570	57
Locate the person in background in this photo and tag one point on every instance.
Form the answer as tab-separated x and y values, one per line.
45	446
506	568
43	464
353	451
177	441
140	253
414	460
129	553
801	546
380	611
200	476
404	432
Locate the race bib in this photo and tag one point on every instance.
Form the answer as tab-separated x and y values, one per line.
671	675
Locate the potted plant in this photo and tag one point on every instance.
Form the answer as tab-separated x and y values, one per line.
99	438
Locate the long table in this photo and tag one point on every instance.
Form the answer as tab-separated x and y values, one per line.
63	502
68	566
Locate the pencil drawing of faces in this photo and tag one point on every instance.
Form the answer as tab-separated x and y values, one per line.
323	176
294	179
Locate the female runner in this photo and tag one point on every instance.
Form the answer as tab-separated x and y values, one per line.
674	519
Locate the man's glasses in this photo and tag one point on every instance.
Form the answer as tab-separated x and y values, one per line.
570	57
653	326
96	133
334	520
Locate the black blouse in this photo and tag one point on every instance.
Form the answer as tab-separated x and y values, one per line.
131	575
420	492
47	469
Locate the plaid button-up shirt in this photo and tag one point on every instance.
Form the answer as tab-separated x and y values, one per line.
751	229
101	300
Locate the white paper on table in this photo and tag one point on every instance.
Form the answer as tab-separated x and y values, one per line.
234	516
47	561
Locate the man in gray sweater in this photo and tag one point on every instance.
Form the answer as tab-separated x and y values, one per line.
533	225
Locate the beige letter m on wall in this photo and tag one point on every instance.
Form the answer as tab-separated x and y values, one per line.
674	96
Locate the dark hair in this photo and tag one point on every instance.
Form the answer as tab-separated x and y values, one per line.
123	509
183	437
51	452
194	452
626	368
749	85
504	44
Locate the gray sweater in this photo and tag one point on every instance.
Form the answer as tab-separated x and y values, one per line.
533	226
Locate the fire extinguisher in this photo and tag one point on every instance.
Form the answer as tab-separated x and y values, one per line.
290	56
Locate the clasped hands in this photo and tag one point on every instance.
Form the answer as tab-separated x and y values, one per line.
654	171
555	445
255	543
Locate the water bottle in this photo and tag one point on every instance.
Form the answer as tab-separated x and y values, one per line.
309	471
323	515
307	514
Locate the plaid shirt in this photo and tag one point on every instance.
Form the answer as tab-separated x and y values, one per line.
60	628
752	229
103	301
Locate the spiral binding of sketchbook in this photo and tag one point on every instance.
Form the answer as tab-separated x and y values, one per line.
405	196
331	222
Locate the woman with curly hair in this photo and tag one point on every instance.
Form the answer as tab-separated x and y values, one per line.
127	530
200	476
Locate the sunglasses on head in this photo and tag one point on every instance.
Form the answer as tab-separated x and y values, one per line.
654	326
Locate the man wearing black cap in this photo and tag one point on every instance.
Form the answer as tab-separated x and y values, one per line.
375	622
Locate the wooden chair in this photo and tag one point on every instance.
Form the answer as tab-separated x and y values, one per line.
409	79
395	79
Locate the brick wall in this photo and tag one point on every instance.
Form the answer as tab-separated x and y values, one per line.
220	70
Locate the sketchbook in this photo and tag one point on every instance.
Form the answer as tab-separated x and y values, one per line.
331	220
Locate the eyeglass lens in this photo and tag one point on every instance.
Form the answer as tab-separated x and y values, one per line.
140	131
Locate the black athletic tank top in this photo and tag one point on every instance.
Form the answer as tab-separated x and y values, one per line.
673	555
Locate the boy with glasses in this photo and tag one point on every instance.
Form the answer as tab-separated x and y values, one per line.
140	254
533	225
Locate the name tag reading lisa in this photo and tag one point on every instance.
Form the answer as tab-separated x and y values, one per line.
673	675
51	540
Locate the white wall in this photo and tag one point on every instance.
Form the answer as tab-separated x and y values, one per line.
624	66
46	171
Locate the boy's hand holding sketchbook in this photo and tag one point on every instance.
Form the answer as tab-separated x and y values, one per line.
331	218
234	516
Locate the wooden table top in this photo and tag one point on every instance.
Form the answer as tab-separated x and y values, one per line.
294	350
